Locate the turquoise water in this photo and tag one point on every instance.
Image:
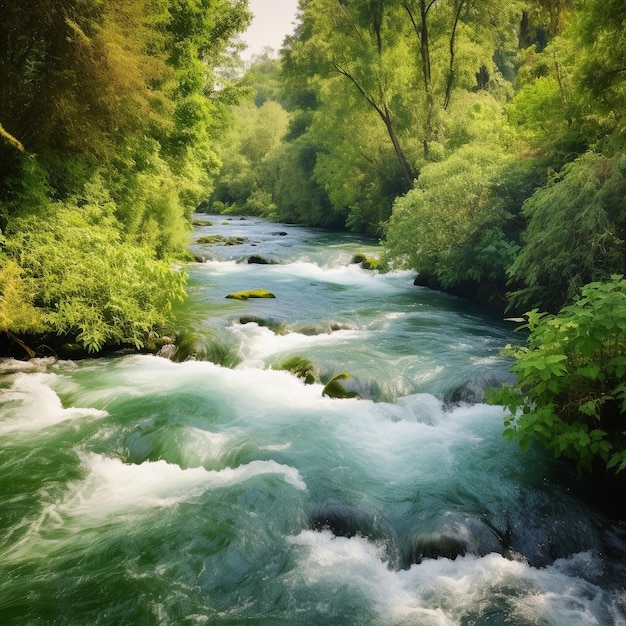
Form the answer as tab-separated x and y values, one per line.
137	490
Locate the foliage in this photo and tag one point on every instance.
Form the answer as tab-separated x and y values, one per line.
17	311
249	146
85	283
571	379
451	209
601	67
575	234
289	172
108	117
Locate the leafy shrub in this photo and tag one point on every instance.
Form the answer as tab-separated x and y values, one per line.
437	227
571	380
575	234
17	312
86	282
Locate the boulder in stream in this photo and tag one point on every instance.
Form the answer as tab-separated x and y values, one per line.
335	389
436	545
257	259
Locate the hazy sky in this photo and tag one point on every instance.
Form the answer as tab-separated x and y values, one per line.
273	19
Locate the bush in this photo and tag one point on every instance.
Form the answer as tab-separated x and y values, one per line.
571	380
449	228
85	282
575	235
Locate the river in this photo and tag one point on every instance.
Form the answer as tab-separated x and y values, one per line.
139	490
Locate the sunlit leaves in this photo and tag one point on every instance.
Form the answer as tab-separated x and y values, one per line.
447	209
86	283
571	379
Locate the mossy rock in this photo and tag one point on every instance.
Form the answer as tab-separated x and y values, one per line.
334	388
277	327
220	240
251	293
257	259
195	347
301	367
367	263
197	222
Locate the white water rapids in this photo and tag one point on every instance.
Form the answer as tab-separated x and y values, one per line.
137	490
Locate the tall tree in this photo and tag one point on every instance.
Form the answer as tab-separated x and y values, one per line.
359	42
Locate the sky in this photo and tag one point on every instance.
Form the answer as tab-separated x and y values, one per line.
273	19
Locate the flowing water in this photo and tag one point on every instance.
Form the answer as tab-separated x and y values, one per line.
138	490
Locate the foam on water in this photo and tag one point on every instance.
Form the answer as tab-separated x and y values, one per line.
31	405
450	592
337	273
203	446
259	343
113	487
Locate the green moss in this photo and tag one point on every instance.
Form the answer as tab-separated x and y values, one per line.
251	293
220	240
195	347
301	367
334	388
367	263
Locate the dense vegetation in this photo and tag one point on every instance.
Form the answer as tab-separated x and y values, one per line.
109	113
482	141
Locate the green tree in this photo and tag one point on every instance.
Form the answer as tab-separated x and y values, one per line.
460	226
111	110
256	133
575	234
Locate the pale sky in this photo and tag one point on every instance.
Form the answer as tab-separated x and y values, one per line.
273	19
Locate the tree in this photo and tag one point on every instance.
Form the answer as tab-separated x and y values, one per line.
449	228
359	42
107	109
575	234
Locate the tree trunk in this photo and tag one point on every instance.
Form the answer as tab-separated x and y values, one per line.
450	79
385	115
421	30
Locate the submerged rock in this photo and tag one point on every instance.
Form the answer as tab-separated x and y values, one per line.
276	326
195	347
257	259
251	293
436	545
301	367
343	520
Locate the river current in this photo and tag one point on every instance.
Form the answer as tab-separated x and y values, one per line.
224	490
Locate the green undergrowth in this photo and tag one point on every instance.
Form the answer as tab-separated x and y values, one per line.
570	394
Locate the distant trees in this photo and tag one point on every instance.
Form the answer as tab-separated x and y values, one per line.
482	141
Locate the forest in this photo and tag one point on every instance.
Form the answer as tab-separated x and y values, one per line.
483	143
